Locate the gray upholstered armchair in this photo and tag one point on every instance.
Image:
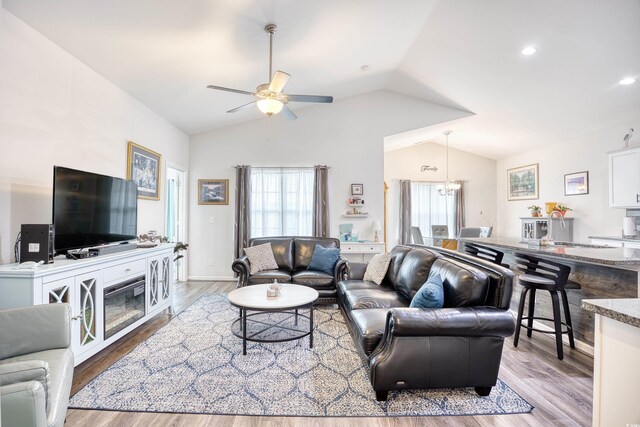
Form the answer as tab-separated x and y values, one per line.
36	365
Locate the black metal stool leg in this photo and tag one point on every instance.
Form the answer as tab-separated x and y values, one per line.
557	321
523	298
532	306
567	317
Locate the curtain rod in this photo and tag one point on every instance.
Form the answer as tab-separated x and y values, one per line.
283	167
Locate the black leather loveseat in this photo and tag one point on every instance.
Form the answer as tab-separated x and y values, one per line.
293	255
459	345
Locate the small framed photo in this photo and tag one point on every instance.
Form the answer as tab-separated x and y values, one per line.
213	191
143	167
357	189
522	183
576	183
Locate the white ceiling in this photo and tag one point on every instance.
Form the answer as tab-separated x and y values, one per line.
460	53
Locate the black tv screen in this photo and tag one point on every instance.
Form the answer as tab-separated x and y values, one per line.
91	210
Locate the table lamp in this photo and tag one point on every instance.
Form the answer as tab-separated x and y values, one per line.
376	228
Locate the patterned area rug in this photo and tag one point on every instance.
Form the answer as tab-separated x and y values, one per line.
195	365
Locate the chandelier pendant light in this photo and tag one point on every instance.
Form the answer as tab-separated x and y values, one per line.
448	188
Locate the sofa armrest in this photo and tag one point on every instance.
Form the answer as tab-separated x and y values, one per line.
28	370
23	404
340	270
461	321
356	270
242	268
36	328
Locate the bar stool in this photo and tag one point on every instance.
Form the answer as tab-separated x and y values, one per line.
544	275
485	252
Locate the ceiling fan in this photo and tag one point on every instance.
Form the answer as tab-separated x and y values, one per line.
268	96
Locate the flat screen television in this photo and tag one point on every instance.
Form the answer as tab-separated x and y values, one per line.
91	210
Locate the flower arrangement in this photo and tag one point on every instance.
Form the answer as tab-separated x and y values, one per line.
562	209
153	236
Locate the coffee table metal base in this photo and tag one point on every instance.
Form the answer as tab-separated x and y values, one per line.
263	324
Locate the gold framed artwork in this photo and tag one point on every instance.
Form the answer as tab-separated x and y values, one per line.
213	191
522	183
143	167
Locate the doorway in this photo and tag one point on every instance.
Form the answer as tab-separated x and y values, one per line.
175	214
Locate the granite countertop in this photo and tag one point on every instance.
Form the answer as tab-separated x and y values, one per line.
595	254
625	310
617	238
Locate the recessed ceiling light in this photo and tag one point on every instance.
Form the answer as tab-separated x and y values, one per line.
364	68
529	50
627	81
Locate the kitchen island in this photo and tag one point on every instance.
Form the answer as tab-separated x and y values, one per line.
602	272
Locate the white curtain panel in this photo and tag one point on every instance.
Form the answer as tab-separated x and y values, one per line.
429	207
281	202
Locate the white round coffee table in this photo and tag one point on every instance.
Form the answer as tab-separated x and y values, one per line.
265	326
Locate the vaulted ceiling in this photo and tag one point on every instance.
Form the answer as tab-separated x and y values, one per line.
463	54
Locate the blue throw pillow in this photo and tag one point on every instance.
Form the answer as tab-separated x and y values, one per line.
324	259
430	295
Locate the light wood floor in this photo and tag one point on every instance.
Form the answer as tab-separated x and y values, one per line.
560	391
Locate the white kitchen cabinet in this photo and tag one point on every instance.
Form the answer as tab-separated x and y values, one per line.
624	178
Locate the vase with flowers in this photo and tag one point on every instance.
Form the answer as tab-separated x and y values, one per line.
562	209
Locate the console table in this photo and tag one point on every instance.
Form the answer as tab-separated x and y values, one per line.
360	251
82	284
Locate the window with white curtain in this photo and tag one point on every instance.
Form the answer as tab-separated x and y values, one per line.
429	207
281	201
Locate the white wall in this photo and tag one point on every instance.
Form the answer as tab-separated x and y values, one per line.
347	135
54	110
478	174
582	153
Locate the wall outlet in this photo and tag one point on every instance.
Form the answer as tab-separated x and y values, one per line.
211	220
210	262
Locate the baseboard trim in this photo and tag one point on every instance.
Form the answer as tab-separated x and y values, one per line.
580	345
213	278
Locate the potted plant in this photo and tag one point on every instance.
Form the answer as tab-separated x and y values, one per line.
535	210
562	209
153	236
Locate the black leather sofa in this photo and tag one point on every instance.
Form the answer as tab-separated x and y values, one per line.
459	345
293	255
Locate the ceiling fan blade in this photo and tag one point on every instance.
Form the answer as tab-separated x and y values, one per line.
242	107
286	111
279	80
311	98
226	89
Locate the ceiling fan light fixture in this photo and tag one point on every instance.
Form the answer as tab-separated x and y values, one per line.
270	106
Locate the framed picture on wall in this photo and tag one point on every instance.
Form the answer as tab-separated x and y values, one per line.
143	167
522	183
576	183
357	189
213	191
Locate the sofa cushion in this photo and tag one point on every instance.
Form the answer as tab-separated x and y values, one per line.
430	295
261	258
313	279
324	259
382	297
368	327
377	268
304	247
268	276
282	248
464	285
414	271
345	285
397	256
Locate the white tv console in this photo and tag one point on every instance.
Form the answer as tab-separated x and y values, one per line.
81	283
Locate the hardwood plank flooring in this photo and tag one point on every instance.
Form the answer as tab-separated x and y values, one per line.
561	391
